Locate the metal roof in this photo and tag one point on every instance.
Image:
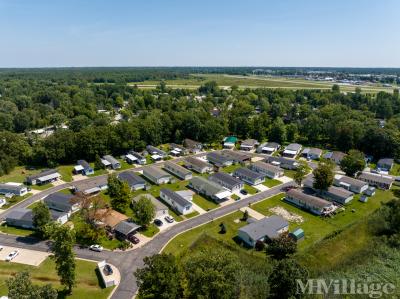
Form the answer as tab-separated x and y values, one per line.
248	173
111	159
226	178
126	227
197	162
181	201
268	226
131	178
155	172
267	167
309	199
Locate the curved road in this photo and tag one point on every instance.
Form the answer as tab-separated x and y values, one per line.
127	262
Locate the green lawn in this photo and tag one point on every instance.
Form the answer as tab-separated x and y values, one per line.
204	203
124	165
183	241
66	172
14	200
315	227
42	187
289	173
235	197
88	284
271	182
18	175
231	168
150	231
97	171
4	228
250	189
395	170
191	215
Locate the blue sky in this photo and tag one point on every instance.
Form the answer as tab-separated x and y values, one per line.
44	33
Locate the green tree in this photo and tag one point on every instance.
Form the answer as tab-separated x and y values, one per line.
283	278
160	278
63	243
20	287
300	173
114	185
212	273
41	217
97	163
352	163
278	131
323	176
144	211
281	247
121	201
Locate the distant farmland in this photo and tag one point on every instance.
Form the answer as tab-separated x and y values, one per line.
226	81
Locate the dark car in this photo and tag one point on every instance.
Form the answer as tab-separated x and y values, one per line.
133	239
287	188
244	192
158	222
108	270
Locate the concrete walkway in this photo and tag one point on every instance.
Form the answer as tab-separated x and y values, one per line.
252	213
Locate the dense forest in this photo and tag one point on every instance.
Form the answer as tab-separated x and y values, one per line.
92	116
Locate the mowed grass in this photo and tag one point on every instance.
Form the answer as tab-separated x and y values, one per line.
317	228
66	172
42	187
11	230
88	284
204	203
250	189
14	200
271	182
231	168
195	80
183	241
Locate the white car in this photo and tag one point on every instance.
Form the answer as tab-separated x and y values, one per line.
96	247
12	255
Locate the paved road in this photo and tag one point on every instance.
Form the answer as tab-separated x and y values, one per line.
128	262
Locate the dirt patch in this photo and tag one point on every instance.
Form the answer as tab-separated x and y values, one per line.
291	217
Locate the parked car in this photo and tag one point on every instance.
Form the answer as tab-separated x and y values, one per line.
1	248
133	239
108	270
169	219
96	247
244	192
12	255
158	222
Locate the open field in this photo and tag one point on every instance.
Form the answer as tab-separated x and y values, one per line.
316	228
88	284
226	81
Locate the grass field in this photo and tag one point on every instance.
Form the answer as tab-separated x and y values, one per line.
150	231
66	172
250	189
204	203
18	175
42	187
271	182
88	284
183	241
231	168
14	200
4	228
195	80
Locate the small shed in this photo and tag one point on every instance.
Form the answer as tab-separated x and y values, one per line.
297	234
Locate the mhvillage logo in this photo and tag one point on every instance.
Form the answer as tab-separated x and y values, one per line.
344	287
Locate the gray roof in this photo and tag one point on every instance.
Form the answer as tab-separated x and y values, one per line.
211	187
197	162
236	156
137	155
131	178
214	156
293	147
339	192
84	164
11	187
181	201
386	161
155	172
178	168
226	178
283	160
351	181
20	214
313	150
376	178
55	215
314	201
272	144
158	204
126	227
152	149
248	173
189	143
249	142
267	166
268	226
334	155
42	174
61	200
110	159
